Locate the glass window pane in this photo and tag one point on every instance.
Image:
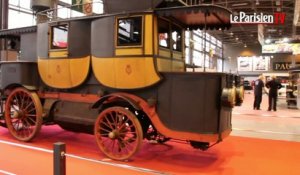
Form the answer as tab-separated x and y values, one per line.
27	19
198	58
98	7
130	31
14	2
187	56
25	4
219	43
213	40
163	33
176	38
66	1
59	37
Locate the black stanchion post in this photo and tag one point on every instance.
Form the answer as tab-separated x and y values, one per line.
59	158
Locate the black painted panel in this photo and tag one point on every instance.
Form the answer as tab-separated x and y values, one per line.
28	47
42	40
191	102
18	73
103	37
79	39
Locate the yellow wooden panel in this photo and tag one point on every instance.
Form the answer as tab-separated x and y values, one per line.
59	71
164	65
58	53
148	34
79	69
168	65
125	73
43	71
164	53
177	55
155	33
103	69
64	73
129	51
178	66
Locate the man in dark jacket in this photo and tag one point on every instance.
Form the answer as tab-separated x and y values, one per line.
273	85
258	88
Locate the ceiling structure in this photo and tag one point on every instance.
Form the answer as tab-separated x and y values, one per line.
247	34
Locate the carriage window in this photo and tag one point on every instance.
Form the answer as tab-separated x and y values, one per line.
59	38
163	33
130	31
176	38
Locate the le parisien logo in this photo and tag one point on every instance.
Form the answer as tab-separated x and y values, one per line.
258	18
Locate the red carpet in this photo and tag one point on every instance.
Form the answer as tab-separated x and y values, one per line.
236	155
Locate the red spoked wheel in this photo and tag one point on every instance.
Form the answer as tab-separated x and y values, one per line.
118	133
23	114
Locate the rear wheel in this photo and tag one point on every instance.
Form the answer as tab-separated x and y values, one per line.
23	114
118	133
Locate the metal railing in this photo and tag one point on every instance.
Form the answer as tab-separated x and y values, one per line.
71	11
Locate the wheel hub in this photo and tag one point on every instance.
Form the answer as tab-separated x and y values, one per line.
114	134
18	114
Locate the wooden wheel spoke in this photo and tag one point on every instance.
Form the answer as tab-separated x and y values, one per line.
21	97
24	116
107	124
119	118
31	115
13	106
103	134
114	120
124	123
104	129
29	105
33	121
17	101
27	125
110	122
31	110
128	133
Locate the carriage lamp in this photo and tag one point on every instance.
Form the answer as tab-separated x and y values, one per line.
228	97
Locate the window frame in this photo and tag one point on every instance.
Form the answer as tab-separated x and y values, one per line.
117	32
51	37
170	26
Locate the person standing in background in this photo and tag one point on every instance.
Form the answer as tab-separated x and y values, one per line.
273	85
258	88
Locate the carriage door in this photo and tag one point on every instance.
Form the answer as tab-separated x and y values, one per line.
132	65
170	41
62	67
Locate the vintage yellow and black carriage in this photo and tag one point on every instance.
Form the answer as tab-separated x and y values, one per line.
121	76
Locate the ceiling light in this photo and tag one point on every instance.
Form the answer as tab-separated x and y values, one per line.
239	4
257	2
278	9
245	45
267	41
285	40
236	38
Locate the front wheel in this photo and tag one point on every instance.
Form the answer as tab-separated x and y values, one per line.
23	114
118	133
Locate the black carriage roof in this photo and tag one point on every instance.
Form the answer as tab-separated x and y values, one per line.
7	33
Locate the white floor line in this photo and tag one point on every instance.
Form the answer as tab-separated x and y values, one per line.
83	158
6	172
265	131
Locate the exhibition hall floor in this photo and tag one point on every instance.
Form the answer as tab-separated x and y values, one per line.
262	143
